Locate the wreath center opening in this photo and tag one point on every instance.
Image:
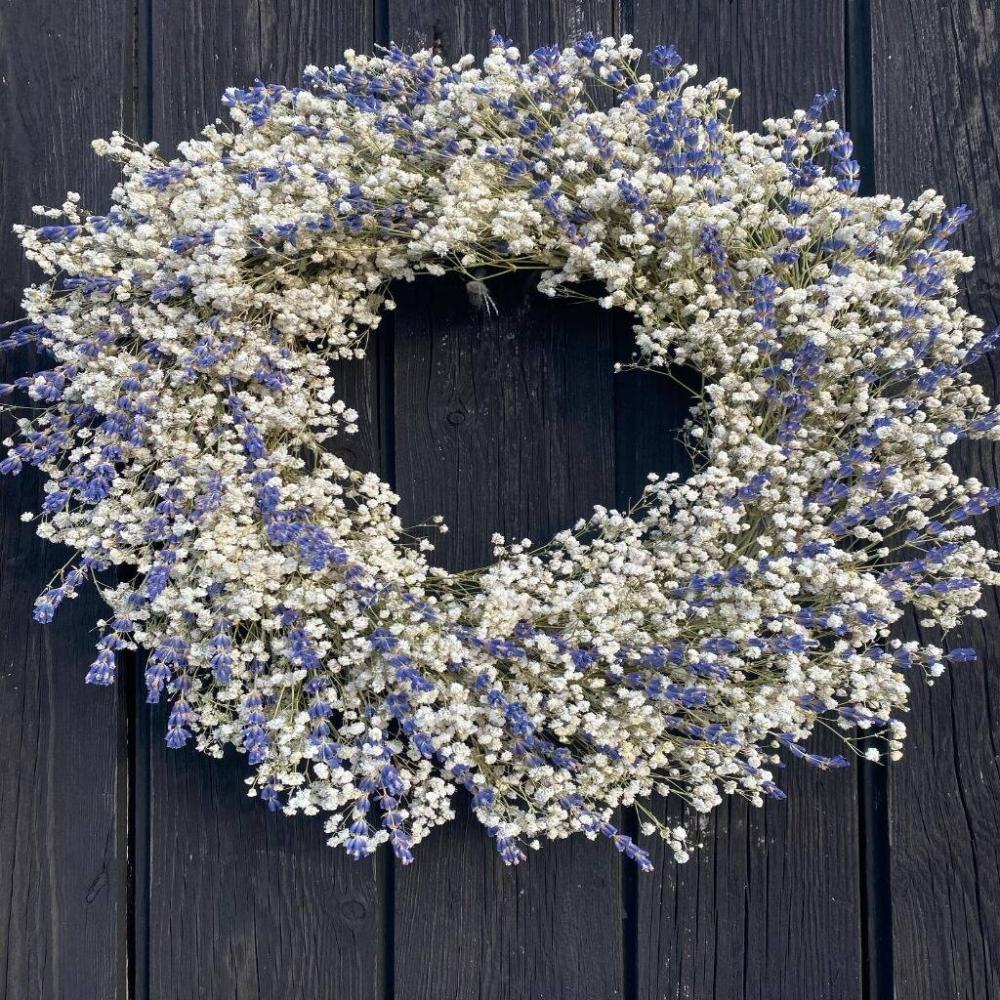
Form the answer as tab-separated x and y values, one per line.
509	417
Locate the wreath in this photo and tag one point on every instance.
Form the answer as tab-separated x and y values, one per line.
681	648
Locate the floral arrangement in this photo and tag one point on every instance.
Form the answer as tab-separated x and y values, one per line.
680	648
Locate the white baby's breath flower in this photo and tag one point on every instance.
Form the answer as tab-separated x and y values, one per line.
678	648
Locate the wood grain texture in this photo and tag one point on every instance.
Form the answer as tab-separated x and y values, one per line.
63	760
169	883
770	907
455	28
241	899
242	903
777	52
503	424
936	84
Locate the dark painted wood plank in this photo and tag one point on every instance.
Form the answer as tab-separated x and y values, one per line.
243	903
777	52
936	80
455	28
63	753
503	424
770	907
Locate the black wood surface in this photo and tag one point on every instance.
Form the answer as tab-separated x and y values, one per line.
131	871
241	902
937	117
504	424
63	745
771	908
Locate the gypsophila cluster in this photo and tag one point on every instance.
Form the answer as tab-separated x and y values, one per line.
680	648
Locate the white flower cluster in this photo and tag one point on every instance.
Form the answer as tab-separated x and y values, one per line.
676	649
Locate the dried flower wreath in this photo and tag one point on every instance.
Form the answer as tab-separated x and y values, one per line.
677	648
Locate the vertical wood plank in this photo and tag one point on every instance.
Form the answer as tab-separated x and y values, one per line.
63	755
243	903
769	908
503	424
506	425
936	77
